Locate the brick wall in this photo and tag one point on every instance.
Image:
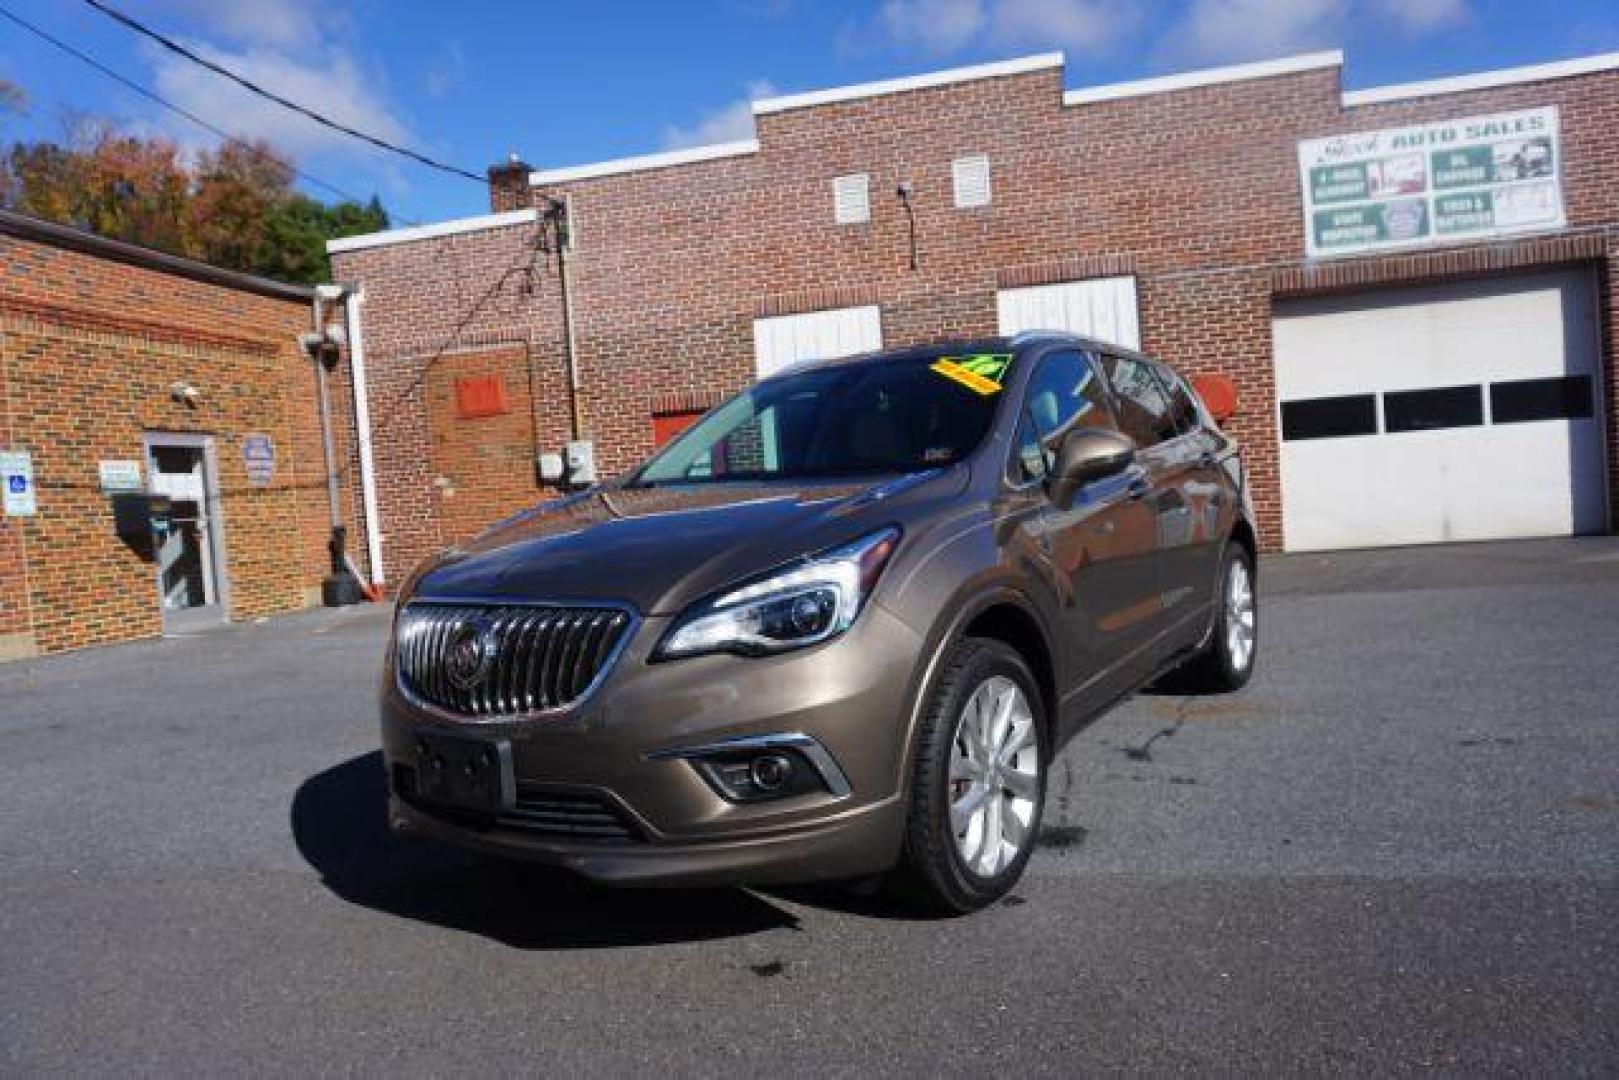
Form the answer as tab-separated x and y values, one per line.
89	347
1195	191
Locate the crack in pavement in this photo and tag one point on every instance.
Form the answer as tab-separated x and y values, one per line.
1144	751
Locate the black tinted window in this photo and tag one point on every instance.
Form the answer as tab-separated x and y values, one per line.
1329	418
1431	410
1182	407
1563	398
1145	412
1063	394
900	414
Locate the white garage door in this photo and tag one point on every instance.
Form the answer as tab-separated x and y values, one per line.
1466	411
784	340
1102	308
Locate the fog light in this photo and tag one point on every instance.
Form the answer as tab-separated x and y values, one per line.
754	776
770	771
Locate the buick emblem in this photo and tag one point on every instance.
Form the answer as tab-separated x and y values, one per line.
469	653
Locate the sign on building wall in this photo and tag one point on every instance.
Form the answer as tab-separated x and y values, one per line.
1457	180
258	457
17	476
120	475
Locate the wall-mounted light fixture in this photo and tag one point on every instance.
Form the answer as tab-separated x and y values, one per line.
185	394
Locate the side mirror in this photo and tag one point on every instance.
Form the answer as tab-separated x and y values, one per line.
1219	396
1086	456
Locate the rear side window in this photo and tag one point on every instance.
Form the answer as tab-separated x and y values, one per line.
1182	406
1145	411
1064	393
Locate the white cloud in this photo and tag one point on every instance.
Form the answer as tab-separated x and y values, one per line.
279	23
934	26
939	27
1417	17
731	123
330	82
1220	31
1225	30
1083	27
445	70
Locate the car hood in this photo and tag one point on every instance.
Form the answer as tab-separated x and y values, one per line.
661	548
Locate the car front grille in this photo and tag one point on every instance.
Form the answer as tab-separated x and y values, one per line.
505	660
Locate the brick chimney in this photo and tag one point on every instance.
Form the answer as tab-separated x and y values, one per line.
508	184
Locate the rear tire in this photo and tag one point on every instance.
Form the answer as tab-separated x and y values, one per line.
978	783
1226	662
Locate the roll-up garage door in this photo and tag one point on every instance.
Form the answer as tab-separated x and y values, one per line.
1463	411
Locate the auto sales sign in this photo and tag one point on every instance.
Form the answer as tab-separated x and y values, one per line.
1469	179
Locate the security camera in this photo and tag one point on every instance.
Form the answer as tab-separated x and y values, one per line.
906	190
185	393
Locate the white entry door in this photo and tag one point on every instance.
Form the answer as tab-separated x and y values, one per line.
781	341
1102	308
1464	411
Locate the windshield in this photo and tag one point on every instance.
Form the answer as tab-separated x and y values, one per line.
891	415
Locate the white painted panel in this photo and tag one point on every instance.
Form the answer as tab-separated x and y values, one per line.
1102	308
851	199
784	340
1495	481
970	180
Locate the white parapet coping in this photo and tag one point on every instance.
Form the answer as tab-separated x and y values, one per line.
1191	80
1018	66
643	162
428	232
1483	80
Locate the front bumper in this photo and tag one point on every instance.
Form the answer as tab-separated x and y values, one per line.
615	756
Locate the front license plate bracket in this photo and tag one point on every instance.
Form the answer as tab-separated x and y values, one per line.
464	773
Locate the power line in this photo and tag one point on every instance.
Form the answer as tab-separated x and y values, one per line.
131	84
219	69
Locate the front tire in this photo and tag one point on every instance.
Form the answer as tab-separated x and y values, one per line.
979	780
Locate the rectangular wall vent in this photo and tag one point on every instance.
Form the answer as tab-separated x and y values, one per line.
971	176
851	199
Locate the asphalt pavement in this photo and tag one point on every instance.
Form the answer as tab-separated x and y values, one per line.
1397	850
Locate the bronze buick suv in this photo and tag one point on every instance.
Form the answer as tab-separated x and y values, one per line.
836	629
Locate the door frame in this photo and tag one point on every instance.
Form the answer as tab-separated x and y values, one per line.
207	615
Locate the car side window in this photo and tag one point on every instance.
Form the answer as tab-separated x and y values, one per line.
1145	411
1063	394
1182	406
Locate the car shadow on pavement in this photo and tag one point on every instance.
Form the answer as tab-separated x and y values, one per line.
340	826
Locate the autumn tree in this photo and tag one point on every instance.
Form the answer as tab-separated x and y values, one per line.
234	206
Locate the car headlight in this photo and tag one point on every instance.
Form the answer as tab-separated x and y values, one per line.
798	605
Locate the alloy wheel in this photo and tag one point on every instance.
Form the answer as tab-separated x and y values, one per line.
994	776
1240	616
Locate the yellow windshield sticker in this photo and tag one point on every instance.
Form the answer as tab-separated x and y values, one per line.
981	373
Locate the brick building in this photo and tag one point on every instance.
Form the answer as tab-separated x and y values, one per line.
161	443
1412	286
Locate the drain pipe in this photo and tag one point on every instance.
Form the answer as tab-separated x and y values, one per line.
339	587
353	297
560	211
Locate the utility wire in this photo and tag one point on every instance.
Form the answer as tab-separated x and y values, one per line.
182	112
219	69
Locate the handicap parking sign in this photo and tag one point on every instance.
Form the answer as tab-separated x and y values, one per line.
18	468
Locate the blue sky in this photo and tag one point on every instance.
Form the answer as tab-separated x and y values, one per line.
565	83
